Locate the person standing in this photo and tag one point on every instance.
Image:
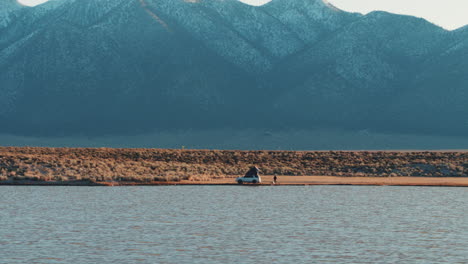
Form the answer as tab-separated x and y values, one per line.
275	179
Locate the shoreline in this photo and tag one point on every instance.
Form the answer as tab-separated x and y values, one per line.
165	165
267	181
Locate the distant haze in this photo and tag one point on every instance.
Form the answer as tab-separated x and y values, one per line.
450	14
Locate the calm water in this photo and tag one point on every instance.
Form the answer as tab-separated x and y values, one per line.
233	224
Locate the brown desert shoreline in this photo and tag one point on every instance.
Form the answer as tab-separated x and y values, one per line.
130	167
268	181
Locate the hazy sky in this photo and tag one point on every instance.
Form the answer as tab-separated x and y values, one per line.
450	14
31	2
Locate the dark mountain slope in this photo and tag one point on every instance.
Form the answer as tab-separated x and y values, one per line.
310	20
100	67
7	8
438	100
351	77
129	70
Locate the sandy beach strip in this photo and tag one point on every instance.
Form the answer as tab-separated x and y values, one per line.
328	180
282	181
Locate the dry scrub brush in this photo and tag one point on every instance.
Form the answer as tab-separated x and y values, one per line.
144	165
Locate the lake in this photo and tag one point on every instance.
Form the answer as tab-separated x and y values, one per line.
233	224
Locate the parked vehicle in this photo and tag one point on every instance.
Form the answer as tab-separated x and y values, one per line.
249	179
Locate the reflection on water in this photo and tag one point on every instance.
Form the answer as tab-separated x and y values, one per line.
233	224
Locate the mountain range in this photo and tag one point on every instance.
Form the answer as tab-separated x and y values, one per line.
116	67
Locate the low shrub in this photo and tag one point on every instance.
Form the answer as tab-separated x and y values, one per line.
145	165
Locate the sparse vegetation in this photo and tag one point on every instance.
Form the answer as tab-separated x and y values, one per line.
164	165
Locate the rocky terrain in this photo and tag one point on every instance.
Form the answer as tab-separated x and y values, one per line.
118	67
147	165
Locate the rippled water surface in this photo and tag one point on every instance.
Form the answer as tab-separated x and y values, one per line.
233	224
